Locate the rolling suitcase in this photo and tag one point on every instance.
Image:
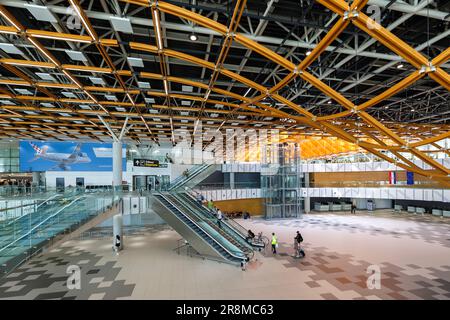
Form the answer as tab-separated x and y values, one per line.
301	252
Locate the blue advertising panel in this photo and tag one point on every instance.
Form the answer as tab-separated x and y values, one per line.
66	156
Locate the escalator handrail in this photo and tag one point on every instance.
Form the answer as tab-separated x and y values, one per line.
242	232
230	252
245	248
183	180
182	177
45	201
211	213
41	223
193	174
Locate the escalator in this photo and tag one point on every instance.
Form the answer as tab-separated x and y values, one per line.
194	176
235	227
28	234
41	207
201	235
210	223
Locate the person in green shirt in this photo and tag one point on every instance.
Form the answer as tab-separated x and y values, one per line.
274	243
210	204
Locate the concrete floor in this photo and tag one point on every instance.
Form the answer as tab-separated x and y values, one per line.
412	253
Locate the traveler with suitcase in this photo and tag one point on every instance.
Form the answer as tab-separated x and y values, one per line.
297	245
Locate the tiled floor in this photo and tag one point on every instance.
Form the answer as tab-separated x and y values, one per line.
413	255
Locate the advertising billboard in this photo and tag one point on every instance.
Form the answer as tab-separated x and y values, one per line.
66	156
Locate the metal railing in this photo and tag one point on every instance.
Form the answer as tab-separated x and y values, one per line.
226	232
225	186
25	237
235	254
374	184
238	228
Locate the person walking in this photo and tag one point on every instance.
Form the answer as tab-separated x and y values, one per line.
353	211
297	245
274	243
199	198
250	236
117	244
210	204
219	218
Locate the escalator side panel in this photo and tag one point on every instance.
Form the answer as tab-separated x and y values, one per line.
194	239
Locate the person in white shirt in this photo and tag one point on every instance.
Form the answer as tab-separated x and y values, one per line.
219	218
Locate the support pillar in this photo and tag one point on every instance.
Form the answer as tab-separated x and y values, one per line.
307	200
307	203
117	164
117	230
231	180
36	178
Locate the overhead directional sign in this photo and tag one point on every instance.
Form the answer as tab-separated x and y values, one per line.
148	163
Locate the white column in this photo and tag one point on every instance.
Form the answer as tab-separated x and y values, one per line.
117	230
231	180
117	163
36	178
307	200
307	204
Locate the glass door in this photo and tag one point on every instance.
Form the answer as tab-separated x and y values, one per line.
60	184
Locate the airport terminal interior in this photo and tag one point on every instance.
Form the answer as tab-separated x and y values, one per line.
225	149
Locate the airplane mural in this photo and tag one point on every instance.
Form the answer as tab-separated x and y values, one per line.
66	156
63	160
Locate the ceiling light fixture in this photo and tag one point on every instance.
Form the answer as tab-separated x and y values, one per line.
308	52
43	51
80	15
72	78
193	37
11	21
400	66
45	36
8	30
27	63
157	29
131	99
207	94
84	68
90	96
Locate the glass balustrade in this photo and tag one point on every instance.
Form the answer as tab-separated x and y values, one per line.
22	236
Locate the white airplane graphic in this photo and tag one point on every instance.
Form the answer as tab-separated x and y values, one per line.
62	159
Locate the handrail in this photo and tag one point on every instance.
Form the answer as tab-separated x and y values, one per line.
227	250
41	223
47	200
182	177
17	218
243	247
183	180
223	186
209	210
242	232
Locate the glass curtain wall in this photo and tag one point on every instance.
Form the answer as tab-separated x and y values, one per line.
9	156
281	180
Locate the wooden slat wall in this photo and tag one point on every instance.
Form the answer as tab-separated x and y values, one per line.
253	206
